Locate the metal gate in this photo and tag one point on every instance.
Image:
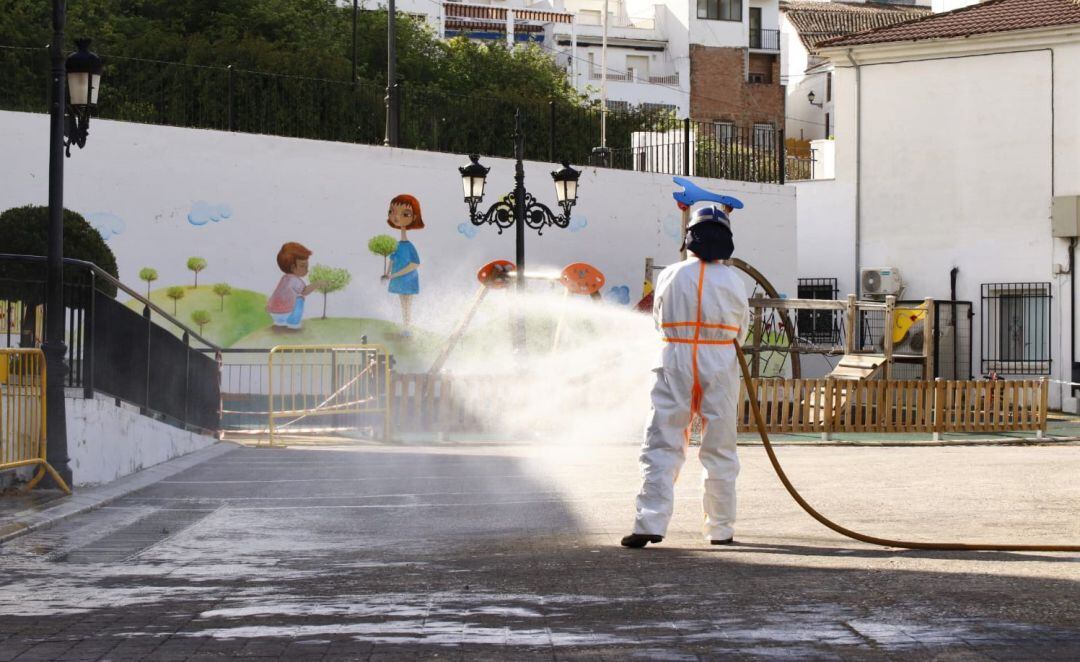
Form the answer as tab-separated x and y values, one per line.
328	389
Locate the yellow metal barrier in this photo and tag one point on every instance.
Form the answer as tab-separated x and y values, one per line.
22	414
309	382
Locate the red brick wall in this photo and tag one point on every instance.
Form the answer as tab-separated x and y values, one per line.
719	91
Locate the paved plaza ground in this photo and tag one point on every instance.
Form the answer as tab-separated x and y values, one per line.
488	551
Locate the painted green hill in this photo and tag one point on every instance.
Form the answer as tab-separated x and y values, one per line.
414	354
244	312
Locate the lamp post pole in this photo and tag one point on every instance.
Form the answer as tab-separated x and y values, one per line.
392	101
355	8
53	347
519	200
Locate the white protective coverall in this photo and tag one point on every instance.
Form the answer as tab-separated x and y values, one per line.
701	308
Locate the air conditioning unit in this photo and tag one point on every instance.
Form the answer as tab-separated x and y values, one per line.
881	282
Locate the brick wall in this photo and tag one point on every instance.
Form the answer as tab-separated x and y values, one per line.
719	91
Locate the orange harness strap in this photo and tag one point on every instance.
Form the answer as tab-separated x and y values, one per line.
702	341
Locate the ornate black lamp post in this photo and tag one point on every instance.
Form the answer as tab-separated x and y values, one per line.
520	208
69	124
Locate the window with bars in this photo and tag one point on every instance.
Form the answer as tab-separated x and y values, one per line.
1016	328
818	327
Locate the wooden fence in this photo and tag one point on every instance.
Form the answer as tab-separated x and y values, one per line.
449	403
834	405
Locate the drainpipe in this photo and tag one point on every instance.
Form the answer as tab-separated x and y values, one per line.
1075	375
858	173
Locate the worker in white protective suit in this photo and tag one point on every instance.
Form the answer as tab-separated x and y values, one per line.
701	309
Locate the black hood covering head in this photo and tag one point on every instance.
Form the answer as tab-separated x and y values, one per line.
710	241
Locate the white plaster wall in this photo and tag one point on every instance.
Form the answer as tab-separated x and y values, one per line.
948	5
824	153
965	183
333	197
1067	126
826	231
794	58
106	442
730	34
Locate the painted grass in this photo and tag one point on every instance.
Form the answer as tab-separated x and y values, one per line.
244	313
414	354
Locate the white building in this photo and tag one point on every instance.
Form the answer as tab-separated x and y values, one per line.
712	60
804	24
958	163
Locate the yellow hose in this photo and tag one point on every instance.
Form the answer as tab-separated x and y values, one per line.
884	542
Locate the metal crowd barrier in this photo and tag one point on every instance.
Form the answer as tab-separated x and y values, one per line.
327	389
22	414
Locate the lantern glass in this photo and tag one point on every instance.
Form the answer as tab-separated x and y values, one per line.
566	190
83	88
473	186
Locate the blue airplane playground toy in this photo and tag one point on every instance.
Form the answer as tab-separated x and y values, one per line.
693	194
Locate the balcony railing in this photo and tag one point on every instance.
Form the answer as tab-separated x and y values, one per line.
632	76
764	40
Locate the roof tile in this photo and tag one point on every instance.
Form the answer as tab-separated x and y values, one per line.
817	21
985	18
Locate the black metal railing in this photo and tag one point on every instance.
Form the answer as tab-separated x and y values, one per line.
140	355
1016	328
764	40
230	99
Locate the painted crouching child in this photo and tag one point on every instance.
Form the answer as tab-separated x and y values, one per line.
286	304
403	271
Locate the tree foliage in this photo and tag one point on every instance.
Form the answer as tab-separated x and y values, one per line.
222	290
196	264
311	38
202	318
25	231
176	292
149	275
329	279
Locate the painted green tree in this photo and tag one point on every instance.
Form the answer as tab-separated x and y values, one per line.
196	264
384	245
149	275
329	279
176	292
222	290
202	318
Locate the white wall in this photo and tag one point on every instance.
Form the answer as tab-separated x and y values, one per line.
333	197
824	154
106	442
967	183
948	5
714	33
826	231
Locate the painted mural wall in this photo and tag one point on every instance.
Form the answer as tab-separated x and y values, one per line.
239	228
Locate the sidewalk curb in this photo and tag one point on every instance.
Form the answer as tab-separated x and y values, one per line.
91	498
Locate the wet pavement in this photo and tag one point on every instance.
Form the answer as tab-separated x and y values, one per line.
510	551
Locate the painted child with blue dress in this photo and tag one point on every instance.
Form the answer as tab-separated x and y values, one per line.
404	263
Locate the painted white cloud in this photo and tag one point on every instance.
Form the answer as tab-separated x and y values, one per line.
203	212
106	223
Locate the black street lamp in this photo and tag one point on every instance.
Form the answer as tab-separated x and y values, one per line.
84	80
520	208
68	124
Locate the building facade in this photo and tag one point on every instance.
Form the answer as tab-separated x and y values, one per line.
970	193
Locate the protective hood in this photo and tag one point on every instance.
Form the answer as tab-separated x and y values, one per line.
709	235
